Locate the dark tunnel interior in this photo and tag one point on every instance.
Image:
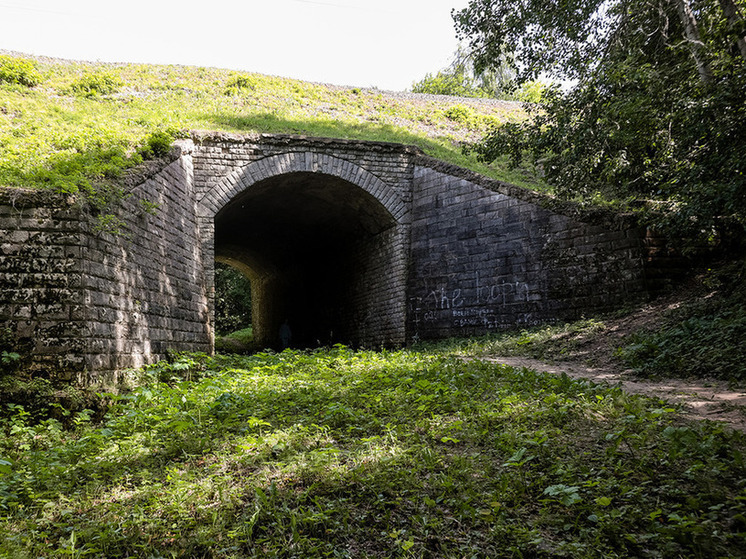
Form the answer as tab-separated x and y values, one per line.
300	238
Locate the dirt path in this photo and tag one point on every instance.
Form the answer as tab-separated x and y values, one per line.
712	400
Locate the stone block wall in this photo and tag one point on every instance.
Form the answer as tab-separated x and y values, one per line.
487	256
79	303
41	301
217	155
449	253
374	308
368	306
144	288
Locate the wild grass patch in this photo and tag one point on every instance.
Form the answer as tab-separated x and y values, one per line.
704	337
548	342
65	125
340	453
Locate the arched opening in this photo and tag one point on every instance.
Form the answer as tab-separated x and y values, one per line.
321	252
233	330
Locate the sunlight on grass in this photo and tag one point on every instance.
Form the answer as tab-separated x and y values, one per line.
366	454
86	122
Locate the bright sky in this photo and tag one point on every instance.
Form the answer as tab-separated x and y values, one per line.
388	44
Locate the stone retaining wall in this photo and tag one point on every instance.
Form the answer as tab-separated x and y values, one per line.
42	315
144	288
487	256
84	304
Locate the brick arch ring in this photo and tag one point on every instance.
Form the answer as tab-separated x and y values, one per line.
301	162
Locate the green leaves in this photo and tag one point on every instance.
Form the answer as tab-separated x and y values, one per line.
637	127
519	458
19	71
564	494
394	452
96	84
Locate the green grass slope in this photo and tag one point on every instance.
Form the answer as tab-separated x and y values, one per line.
65	125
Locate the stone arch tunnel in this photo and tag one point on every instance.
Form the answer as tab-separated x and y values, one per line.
322	239
356	242
305	240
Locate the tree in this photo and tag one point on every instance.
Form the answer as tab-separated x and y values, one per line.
461	80
232	299
655	111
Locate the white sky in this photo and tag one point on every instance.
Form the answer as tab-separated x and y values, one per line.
388	44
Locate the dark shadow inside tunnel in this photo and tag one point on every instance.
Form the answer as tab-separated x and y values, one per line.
318	251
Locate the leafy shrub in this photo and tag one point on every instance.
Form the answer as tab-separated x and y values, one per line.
700	346
95	84
156	145
8	360
703	338
459	113
75	172
19	71
446	83
467	117
531	92
240	84
9	357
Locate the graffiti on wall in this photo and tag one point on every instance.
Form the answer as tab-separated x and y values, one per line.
476	304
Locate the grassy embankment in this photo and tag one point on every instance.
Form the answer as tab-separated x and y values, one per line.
67	125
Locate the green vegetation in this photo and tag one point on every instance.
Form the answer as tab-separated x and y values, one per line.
95	84
17	71
232	299
462	79
75	127
337	453
240	341
549	342
703	337
653	114
700	335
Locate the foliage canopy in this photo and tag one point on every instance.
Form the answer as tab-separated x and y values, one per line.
654	112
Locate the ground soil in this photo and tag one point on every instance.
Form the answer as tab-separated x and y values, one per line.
712	400
592	358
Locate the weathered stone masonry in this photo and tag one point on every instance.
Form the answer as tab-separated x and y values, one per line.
487	256
353	242
41	305
83	304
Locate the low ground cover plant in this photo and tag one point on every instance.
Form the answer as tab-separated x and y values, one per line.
341	453
65	125
703	337
548	342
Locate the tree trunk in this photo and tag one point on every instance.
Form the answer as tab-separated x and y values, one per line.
734	18
691	32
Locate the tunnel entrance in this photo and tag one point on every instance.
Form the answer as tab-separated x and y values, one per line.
232	299
321	253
